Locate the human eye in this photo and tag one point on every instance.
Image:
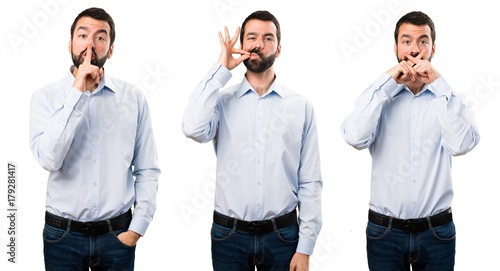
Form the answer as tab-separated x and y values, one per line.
101	38
424	42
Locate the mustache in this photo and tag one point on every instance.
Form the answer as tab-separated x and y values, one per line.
413	55
256	51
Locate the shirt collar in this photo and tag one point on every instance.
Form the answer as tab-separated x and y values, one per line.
246	87
427	87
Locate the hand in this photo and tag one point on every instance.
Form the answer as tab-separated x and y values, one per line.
87	75
414	69
425	72
129	238
300	262
226	56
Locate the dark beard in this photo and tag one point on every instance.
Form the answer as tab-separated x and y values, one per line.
259	66
78	59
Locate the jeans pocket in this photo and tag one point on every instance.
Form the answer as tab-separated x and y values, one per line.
374	231
115	236
289	234
445	232
52	234
219	233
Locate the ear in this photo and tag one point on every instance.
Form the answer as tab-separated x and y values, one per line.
278	50
396	50
69	45
110	51
433	49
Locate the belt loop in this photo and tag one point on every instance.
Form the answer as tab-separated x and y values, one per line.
235	224
429	222
275	228
68	228
389	226
109	226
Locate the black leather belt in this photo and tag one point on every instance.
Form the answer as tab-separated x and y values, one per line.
411	225
92	227
259	226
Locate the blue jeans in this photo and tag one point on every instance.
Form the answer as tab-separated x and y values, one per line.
68	251
393	249
239	250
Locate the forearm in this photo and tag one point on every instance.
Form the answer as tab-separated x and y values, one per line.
146	187
201	110
359	128
52	132
310	216
458	128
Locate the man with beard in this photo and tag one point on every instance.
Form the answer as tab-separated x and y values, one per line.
268	166
413	122
93	134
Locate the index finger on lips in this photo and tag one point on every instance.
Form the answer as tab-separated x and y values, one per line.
88	56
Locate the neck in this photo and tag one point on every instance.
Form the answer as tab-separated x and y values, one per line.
261	81
415	87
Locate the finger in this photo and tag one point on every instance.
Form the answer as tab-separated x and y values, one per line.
235	37
226	32
88	56
415	59
421	54
221	39
412	60
240	51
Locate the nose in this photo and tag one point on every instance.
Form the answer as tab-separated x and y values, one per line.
259	43
90	42
414	50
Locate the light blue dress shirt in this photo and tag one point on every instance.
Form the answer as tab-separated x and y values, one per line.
412	139
267	151
99	150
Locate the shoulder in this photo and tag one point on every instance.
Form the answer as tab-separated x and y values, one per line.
296	98
54	89
124	88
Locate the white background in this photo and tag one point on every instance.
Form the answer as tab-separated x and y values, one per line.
331	51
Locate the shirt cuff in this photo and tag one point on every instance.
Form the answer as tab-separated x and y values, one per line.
441	88
74	99
386	84
220	73
306	246
138	225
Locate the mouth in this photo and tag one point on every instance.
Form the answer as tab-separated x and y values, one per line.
254	53
84	54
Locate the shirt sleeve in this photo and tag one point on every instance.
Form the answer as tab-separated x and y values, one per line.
145	170
52	126
458	127
200	118
359	128
309	188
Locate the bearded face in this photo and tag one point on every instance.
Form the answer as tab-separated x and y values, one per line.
78	59
260	64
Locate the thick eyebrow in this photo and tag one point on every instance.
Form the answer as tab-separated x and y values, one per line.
420	37
265	35
97	32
